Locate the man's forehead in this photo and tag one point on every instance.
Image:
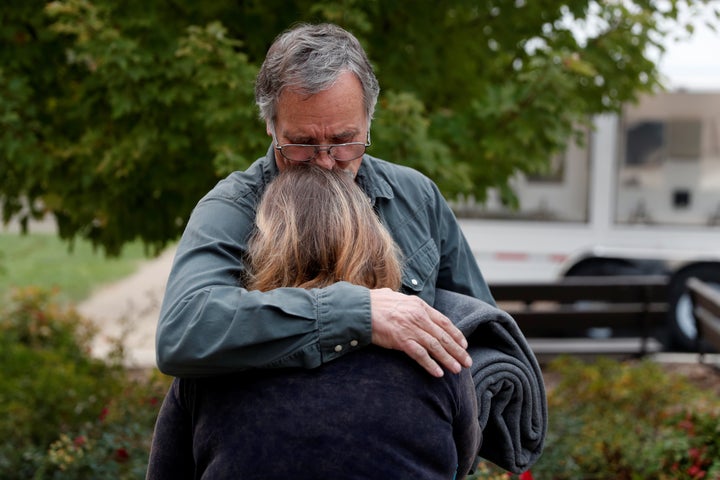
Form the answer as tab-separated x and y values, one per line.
295	131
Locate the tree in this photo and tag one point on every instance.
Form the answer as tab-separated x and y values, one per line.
116	117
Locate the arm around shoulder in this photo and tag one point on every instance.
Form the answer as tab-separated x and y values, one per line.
210	325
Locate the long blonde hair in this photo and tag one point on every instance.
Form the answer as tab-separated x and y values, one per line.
315	227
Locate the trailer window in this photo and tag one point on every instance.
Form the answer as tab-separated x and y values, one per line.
652	141
644	142
669	174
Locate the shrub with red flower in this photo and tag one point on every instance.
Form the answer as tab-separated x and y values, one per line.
692	445
122	455
65	415
613	419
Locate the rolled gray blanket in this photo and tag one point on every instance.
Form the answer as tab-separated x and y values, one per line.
512	404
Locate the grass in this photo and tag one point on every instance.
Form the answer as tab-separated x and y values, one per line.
45	261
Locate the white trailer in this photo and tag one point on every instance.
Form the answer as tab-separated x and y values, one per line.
641	197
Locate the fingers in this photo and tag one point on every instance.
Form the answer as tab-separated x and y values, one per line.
443	345
449	328
409	324
420	354
449	337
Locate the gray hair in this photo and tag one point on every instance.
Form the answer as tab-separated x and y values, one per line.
309	59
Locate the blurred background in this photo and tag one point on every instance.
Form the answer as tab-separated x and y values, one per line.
573	139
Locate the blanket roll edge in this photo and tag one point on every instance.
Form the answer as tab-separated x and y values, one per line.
512	404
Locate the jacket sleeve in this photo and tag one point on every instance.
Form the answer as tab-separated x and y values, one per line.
458	271
210	325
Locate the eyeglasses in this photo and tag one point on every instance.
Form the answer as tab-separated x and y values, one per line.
340	152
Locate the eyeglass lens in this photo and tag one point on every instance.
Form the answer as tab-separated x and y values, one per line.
339	153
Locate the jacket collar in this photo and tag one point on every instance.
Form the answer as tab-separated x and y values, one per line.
371	181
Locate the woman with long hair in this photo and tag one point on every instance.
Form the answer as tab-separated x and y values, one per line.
315	227
372	413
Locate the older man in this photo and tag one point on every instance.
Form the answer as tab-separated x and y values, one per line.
316	92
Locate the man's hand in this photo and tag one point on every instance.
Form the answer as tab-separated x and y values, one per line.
407	323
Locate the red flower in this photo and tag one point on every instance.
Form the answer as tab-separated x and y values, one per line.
526	476
687	425
79	441
696	472
122	455
103	414
697	454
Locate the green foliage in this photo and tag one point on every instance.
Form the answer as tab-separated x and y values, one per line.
631	421
136	123
116	444
627	421
116	117
687	446
63	414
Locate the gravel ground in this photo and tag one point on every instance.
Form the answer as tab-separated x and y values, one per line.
128	310
704	376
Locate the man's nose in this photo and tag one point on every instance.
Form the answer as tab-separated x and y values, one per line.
323	158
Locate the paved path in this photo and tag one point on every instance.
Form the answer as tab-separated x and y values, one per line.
128	310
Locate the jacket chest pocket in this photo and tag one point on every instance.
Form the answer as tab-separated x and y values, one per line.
420	271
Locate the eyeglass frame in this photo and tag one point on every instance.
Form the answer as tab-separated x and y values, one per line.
321	148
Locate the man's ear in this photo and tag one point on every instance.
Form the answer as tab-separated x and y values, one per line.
268	129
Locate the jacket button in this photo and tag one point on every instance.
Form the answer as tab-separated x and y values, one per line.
338	348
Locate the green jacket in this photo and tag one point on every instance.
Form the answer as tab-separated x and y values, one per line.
209	324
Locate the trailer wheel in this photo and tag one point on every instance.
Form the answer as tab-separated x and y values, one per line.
596	266
682	329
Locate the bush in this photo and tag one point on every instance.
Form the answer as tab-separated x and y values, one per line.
628	420
625	420
614	407
114	445
64	414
